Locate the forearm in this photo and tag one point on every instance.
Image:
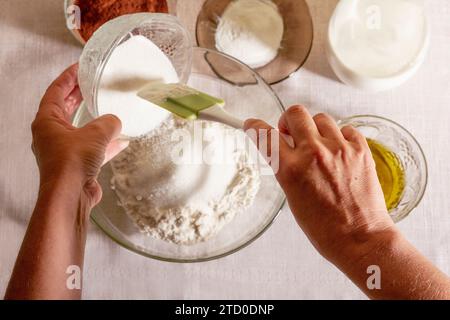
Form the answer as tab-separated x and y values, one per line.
55	240
404	272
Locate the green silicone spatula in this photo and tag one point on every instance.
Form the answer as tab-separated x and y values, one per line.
192	104
189	103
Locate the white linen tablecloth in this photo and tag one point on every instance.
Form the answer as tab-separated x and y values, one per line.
35	47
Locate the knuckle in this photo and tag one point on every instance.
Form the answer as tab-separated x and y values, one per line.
365	155
353	133
360	154
321	117
252	123
360	137
36	127
262	129
46	93
361	143
259	124
360	148
296	110
340	152
348	131
320	156
348	128
318	152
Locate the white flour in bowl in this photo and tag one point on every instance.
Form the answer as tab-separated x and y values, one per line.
191	200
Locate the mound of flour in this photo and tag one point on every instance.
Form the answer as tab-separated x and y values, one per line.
187	199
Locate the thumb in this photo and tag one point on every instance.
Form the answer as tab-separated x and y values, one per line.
106	127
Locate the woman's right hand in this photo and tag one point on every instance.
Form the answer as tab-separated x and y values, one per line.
331	184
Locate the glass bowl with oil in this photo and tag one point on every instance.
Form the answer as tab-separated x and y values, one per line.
399	159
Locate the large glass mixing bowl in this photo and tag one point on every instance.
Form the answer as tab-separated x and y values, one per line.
247	95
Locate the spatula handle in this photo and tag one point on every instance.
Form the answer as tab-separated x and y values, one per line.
218	114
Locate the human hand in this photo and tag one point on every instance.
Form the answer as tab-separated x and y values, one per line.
331	184
65	152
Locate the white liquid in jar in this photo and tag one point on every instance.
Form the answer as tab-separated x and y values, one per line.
133	64
379	38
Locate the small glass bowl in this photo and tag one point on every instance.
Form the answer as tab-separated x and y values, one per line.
295	46
405	146
250	97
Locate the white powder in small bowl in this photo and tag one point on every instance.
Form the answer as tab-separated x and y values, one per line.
251	31
189	201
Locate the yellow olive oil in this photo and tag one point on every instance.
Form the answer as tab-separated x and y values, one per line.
390	173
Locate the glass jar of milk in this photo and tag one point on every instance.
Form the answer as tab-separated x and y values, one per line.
125	54
377	44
